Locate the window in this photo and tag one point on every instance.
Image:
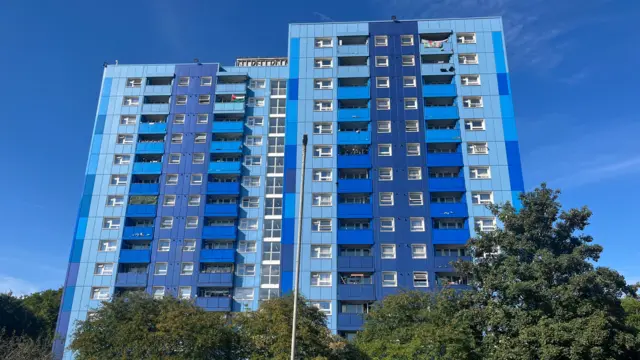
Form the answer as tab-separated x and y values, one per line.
322	128
410	103
252	160
204	99
127	120
482	197
387	224
100	293
164	245
196	179
134	82
474	124
118	180
408	60
257	84
320	279
243	294
103	269
184	292
388	251
271	252
381	40
322	199
322	175
414	173
161	268
253	140
413	149
466	38
322	151
477	148
406	40
275	166
323	84
384	126
409	81
189	245
386	199
245	246
321	63
130	101
416	224
479	172
321	251
107	245
485	224
324	42
385	174
181	100
169	200
202	118
323	105
468	59
206	81
255	102
178	119
383	104
246	270
469	80
420	279
255	121
382	61
382	82
415	199
322	306
171	179
183	81
321	225
194	200
115	200
198	158
250	202
411	126
174	158
251	181
177	138
472	101
158	292
124	139
389	279
248	224
419	251
166	222
384	149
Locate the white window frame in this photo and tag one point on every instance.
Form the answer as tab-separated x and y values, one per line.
191	222
318	280
473	172
382	150
127	119
253	121
386	176
463	38
416	198
413	149
472	102
247	246
322	175
412	126
382	82
169	200
323	199
174	158
477	197
468	59
204	99
322	128
158	292
184	292
250	202
169	179
385	198
198	158
257	84
418	276
202	119
319	63
107	245
410	103
404	38
196	179
318	84
194	200
322	151
318	304
382	61
408	60
321	225
181	100
164	245
319	251
474	148
470	80
131	101
383	104
179	119
103	269
100	293
472	127
384	127
118	180
183	81
115	200
479	223
323	42
125	139
251	181
206	81
412	168
186	268
409	81
161	269
419	255
253	140
248	224
381	40
255	101
389	283
387	228
166	222
189	247
245	270
323	105
134	82
420	224
177	138
252	160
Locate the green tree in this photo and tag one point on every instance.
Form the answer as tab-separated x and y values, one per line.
16	319
45	306
136	326
268	332
23	347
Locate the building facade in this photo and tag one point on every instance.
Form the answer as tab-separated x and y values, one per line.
193	178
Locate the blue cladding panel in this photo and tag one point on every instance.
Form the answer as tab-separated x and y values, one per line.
503	84
354	186
100	120
355	211
67	300
144	189
217	255
356	263
135	256
219	232
515	169
355	237
498	49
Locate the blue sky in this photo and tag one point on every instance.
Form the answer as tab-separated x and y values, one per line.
572	71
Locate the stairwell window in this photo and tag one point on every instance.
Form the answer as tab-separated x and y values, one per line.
482	197
131	101
466	38
472	102
323	105
324	42
468	59
474	124
323	63
323	84
381	40
470	80
479	172
479	148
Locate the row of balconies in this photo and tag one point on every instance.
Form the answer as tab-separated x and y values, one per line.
213	188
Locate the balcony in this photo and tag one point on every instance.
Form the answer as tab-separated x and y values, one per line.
131	279
227	127
437	69
441	112
218	147
147	168
354	186
353	71
444	262
439	90
353	50
231	167
219	232
354	138
223	188
157	90
137	233
217	279
224	210
229	108
358	114
353	92
354	161
155	108
355	237
152	128
144	189
141	210
450	236
221	303
449	210
355	211
446	184
135	256
231	88
217	255
150	148
365	292
355	263
445	135
436	47
350	322
444	159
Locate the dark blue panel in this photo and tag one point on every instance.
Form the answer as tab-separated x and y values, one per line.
354	186
451	237
100	120
221	303
67	299
355	211
287	230
355	263
445	210
225	210
350	322
219	232
289	181
446	184
503	84
219	279
131	279
356	292
454	159
85	205
287	250
286	282
515	169
223	188
141	210
137	233
89	181
289	156
144	189
355	237
135	256
217	255
292	89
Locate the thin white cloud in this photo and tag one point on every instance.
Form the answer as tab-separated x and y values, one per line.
322	16
16	286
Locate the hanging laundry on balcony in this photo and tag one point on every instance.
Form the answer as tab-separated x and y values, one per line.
237	98
432	43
